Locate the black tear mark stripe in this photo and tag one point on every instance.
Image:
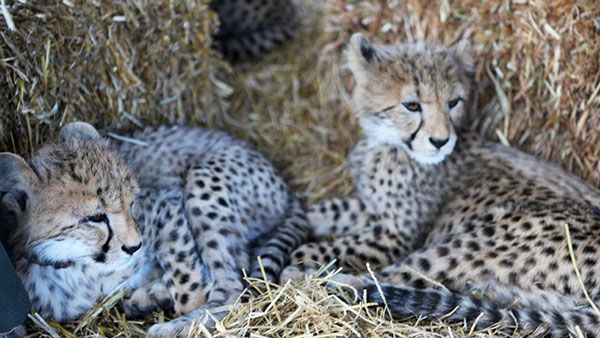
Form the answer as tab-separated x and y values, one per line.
414	135
106	245
101	257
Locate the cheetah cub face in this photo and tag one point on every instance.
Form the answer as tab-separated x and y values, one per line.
411	95
73	203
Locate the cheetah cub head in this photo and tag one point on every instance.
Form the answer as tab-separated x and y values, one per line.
73	207
411	95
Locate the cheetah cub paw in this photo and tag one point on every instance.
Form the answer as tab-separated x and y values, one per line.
147	299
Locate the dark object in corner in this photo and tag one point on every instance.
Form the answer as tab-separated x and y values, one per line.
14	302
250	28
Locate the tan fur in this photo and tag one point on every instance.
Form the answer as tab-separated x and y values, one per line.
63	194
65	257
388	77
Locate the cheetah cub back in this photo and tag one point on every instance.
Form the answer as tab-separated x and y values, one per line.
172	213
437	202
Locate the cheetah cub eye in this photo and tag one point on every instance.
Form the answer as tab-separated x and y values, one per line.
97	218
412	106
454	103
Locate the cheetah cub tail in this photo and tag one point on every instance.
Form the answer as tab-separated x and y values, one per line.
405	301
275	252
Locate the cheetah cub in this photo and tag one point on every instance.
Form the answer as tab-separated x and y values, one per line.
436	200
203	198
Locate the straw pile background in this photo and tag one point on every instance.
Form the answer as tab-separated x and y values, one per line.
106	62
112	65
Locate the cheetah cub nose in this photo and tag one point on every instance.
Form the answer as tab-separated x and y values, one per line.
131	249
437	142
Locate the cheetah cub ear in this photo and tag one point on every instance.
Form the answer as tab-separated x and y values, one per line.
360	56
79	131
462	52
17	182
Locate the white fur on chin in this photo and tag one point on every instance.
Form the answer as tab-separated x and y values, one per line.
63	249
379	133
67	293
439	156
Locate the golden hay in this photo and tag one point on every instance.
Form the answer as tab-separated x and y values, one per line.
302	309
538	78
105	62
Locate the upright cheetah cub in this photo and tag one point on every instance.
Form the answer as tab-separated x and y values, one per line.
436	200
202	198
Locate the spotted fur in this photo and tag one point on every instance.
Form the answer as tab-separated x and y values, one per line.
249	28
477	216
204	201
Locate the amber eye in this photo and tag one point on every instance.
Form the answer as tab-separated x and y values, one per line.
412	106
454	102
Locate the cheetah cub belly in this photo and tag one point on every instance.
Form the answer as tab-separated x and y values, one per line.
170	214
436	201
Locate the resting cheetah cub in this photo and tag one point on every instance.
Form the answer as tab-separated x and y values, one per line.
203	198
435	200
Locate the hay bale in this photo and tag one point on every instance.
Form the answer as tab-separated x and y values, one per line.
115	64
538	61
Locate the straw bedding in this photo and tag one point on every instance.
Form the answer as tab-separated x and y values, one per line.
125	64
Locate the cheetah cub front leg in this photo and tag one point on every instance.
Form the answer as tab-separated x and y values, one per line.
178	269
383	224
337	217
147	299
